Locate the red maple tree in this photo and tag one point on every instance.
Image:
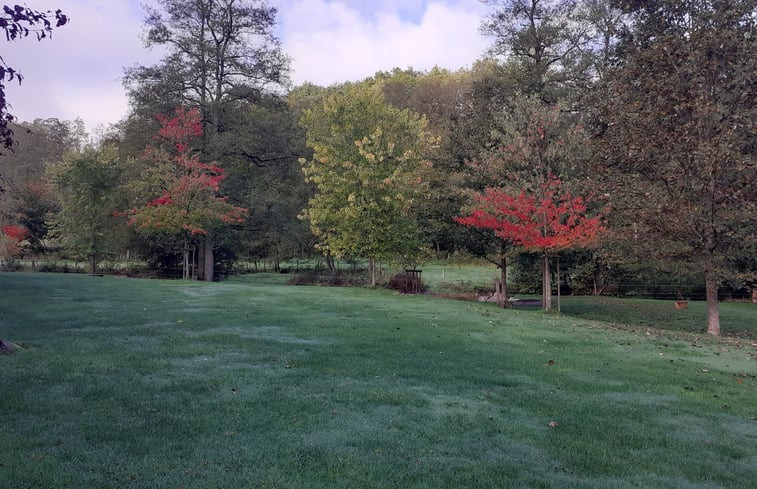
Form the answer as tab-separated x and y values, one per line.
13	235
189	202
545	221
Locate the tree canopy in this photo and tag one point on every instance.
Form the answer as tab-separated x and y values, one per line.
367	167
677	136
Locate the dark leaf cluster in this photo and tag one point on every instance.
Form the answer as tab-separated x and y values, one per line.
18	22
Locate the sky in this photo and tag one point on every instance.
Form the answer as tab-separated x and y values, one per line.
77	73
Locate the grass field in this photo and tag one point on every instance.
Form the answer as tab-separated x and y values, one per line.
128	383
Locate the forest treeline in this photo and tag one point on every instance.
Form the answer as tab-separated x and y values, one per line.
616	136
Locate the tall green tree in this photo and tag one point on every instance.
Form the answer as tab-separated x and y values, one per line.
677	136
546	38
439	95
85	184
271	184
188	201
220	54
367	167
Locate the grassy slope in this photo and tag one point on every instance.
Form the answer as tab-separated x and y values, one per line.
143	384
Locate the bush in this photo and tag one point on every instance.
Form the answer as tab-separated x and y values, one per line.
407	283
61	267
319	276
10	265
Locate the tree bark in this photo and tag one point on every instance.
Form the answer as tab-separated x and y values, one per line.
713	308
372	271
547	290
559	309
502	288
209	259
185	264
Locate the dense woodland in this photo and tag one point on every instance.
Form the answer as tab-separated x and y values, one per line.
611	142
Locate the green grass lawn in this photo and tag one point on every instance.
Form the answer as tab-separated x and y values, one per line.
443	277
129	383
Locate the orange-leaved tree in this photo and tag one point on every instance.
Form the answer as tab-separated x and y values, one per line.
527	182
189	202
542	219
11	240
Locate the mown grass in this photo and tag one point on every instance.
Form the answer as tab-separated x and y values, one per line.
252	383
445	277
738	319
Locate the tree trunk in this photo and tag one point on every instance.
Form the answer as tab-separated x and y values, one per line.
330	264
558	284
547	289
372	271
501	292
185	264
198	260
713	308
209	259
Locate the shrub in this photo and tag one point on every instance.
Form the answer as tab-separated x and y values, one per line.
407	283
10	265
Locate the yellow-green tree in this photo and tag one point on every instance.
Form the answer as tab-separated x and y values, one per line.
368	168
85	184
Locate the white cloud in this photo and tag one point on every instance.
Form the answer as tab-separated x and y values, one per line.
335	41
77	73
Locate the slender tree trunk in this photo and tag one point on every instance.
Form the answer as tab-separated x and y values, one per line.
185	265
501	291
209	259
547	290
713	308
330	264
198	257
558	284
372	271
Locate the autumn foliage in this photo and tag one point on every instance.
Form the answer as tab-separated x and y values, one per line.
16	233
189	201
12	237
546	222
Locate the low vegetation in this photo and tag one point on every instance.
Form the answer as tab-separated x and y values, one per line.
255	383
